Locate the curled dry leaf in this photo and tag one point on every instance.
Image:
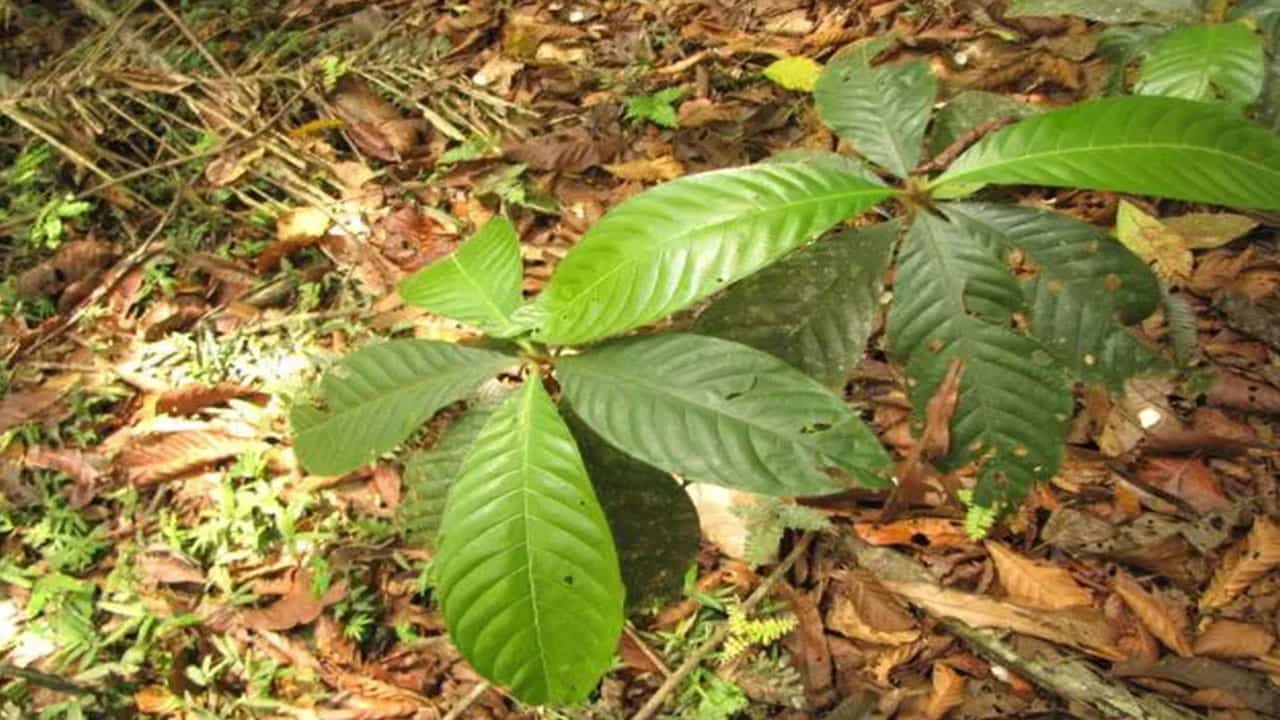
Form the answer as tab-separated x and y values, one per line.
1034	583
153	458
918	532
655	170
298	606
808	647
190	399
948	692
1247	561
862	610
1168	625
1234	639
883	665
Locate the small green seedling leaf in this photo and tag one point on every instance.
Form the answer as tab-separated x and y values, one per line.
794	73
528	575
479	283
658	108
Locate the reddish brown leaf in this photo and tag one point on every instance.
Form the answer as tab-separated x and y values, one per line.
157	700
1233	639
21	407
168	316
386	481
1164	622
808	646
153	458
297	607
572	151
862	610
920	532
1034	583
936	439
1245	563
1187	478
1237	392
168	569
85	469
75	261
375	125
189	399
948	692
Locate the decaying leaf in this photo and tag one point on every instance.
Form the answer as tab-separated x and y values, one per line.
157	700
1164	622
1151	240
497	74
1210	230
1234	639
920	532
21	407
168	569
572	151
1143	410
654	170
807	644
948	692
1187	478
190	399
375	124
1247	561
862	610
84	468
298	606
1231	390
161	456
230	167
1034	583
936	439
74	261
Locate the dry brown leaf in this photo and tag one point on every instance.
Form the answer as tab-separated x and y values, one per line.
808	647
1237	392
222	269
1035	583
1144	409
919	532
655	170
860	609
1234	639
21	407
85	469
700	112
304	223
948	692
170	315
157	700
1164	622
386	481
1190	479
1248	560
168	569
190	399
230	167
1085	628
497	74
883	665
935	441
161	456
298	606
375	125
572	151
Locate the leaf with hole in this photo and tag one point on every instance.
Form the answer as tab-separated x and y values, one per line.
1205	62
679	242
479	283
882	110
1169	147
714	411
955	299
374	398
528	576
815	308
1085	289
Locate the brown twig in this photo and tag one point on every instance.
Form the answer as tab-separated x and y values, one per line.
721	634
456	711
962	143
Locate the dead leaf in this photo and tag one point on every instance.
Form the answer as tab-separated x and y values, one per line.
189	399
862	610
21	407
1164	622
222	269
375	125
497	74
808	647
167	568
299	606
171	315
720	524
948	692
386	481
919	532
303	223
85	469
935	441
1154	242
1205	231
1143	410
700	112
882	666
1234	639
1237	392
572	151
1034	583
1189	479
157	700
655	170
226	169
74	261
1207	673
1248	560
161	456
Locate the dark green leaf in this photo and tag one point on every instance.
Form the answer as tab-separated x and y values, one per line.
479	283
714	411
681	241
528	576
882	111
815	308
970	109
1167	147
1086	288
954	299
1205	62
1121	45
374	398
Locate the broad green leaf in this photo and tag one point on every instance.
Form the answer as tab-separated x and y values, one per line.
882	111
1205	62
794	73
714	411
1111	11
479	283
428	475
970	109
1266	13
653	520
528	576
1085	289
681	241
954	299
374	398
815	308
1121	45
1167	147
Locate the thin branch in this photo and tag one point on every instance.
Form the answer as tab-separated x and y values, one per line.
456	711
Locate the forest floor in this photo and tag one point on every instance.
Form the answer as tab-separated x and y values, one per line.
190	233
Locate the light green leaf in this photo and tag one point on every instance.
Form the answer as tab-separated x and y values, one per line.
681	241
815	308
479	283
1086	288
794	73
970	109
1167	147
954	299
374	398
1205	62
882	111
1111	11
428	475
528	576
714	411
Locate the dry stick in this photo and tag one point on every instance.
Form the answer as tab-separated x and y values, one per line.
195	41
721	634
468	701
952	151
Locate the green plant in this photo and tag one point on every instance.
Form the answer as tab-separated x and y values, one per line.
658	108
1027	301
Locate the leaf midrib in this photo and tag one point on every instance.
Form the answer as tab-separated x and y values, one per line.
526	428
500	318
